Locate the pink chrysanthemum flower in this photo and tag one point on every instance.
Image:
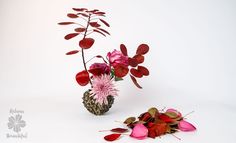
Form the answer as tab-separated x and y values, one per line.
103	86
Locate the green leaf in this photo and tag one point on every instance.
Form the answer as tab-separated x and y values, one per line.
153	111
171	115
129	120
118	78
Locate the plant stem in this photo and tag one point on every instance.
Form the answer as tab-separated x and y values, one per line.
86	29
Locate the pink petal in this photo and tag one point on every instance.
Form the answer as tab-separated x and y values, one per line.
139	132
186	126
174	111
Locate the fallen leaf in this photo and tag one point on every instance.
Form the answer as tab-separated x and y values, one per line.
112	137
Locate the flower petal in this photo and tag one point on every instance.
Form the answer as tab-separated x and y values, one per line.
139	132
174	111
186	126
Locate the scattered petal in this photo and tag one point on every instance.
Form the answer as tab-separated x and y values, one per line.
186	126
112	137
139	132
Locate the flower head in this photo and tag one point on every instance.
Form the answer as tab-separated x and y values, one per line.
116	57
99	69
103	86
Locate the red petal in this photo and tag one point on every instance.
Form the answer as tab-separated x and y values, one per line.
82	78
135	82
132	62
119	130
71	35
86	43
66	23
100	13
112	137
143	70
104	22
142	49
72	15
104	31
186	126
123	49
165	118
139	58
72	52
136	73
121	70
94	24
96	71
79	29
99	32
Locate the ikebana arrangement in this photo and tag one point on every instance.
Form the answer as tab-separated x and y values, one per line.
151	124
114	67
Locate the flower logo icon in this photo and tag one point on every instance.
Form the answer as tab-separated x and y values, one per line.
16	123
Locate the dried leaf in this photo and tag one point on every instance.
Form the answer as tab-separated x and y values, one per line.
145	117
94	24
104	22
142	49
119	130
112	137
100	13
153	112
72	15
135	82
71	35
80	29
143	70
129	120
72	52
82	78
66	23
123	49
165	118
171	115
86	43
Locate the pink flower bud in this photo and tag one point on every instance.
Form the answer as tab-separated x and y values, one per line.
116	57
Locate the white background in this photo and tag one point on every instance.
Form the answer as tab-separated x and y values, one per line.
191	61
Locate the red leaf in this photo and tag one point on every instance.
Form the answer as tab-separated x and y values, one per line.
96	71
83	14
94	24
104	31
145	116
165	118
99	32
112	137
79	9
71	15
132	62
135	82
136	73
79	29
119	130
100	13
86	43
139	58
157	130
142	49
143	70
104	22
82	78
66	23
121	70
123	49
72	52
71	35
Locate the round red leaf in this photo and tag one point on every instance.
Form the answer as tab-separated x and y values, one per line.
86	43
132	62
143	70
136	73
82	78
121	70
142	49
135	81
139	58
